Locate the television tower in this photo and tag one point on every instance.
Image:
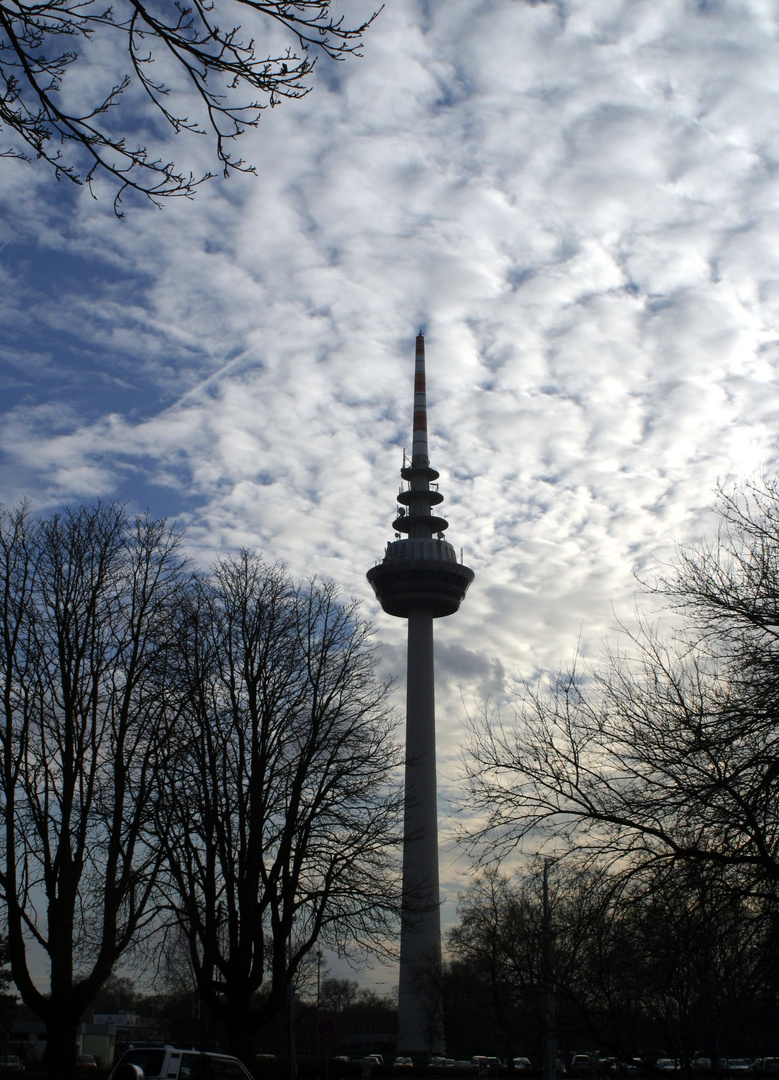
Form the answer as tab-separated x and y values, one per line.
420	579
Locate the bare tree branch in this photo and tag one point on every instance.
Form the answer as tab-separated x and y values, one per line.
669	748
226	77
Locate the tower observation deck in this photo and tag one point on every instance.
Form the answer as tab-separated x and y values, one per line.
420	579
421	569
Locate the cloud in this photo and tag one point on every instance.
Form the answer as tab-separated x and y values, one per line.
577	201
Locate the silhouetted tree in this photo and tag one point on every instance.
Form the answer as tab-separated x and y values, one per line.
79	79
119	993
281	825
667	750
677	957
497	939
8	999
671	957
338	995
85	626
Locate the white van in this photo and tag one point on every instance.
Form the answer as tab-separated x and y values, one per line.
167	1063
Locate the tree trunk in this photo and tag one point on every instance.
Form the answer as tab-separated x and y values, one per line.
242	1035
59	1058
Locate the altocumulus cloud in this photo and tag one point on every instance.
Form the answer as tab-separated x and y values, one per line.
577	201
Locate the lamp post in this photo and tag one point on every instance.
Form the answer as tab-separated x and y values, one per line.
547	941
293	1065
318	1014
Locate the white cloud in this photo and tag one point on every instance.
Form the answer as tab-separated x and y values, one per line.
576	200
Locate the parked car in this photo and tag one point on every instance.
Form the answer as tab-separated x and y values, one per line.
86	1065
701	1063
487	1066
403	1064
738	1066
582	1065
168	1063
11	1065
626	1068
522	1064
668	1064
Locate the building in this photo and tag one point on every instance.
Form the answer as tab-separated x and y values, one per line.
27	1038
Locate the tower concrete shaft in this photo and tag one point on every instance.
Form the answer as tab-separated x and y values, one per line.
420	579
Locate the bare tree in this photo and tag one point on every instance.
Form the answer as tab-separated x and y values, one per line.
85	626
678	956
669	749
281	830
670	957
500	940
197	55
338	995
8	999
497	939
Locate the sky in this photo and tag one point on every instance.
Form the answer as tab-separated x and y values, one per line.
575	200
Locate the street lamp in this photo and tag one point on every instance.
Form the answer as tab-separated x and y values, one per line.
547	982
318	1015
